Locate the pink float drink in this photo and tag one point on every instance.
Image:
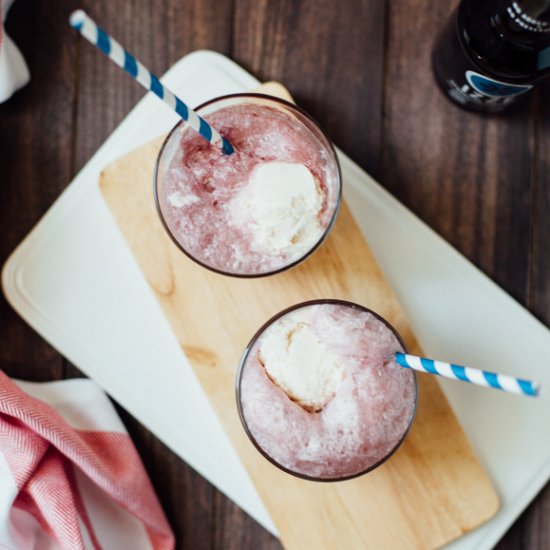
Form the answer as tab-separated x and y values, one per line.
320	394
263	208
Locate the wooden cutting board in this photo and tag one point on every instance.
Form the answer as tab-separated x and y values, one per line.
431	491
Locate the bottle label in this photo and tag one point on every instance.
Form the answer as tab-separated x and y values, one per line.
494	88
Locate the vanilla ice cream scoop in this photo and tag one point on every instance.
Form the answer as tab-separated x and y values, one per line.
300	364
282	203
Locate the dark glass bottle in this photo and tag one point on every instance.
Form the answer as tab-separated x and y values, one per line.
492	52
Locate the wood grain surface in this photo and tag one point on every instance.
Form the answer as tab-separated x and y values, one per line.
435	472
361	68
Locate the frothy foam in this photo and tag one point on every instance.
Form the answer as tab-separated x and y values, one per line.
362	422
254	211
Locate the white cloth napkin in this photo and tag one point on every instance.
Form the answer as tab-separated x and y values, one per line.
14	73
70	476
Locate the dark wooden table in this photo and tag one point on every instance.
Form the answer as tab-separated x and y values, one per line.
362	69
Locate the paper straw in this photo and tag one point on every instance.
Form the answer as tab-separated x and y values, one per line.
467	374
111	48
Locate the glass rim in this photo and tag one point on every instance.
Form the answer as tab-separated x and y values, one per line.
244	357
292	107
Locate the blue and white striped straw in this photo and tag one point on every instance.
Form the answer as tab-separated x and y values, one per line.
467	374
88	29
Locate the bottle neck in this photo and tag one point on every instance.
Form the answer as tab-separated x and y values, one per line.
509	39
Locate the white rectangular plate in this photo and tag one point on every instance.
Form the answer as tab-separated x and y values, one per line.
75	281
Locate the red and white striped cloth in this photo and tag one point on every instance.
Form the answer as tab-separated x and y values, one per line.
70	476
13	70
